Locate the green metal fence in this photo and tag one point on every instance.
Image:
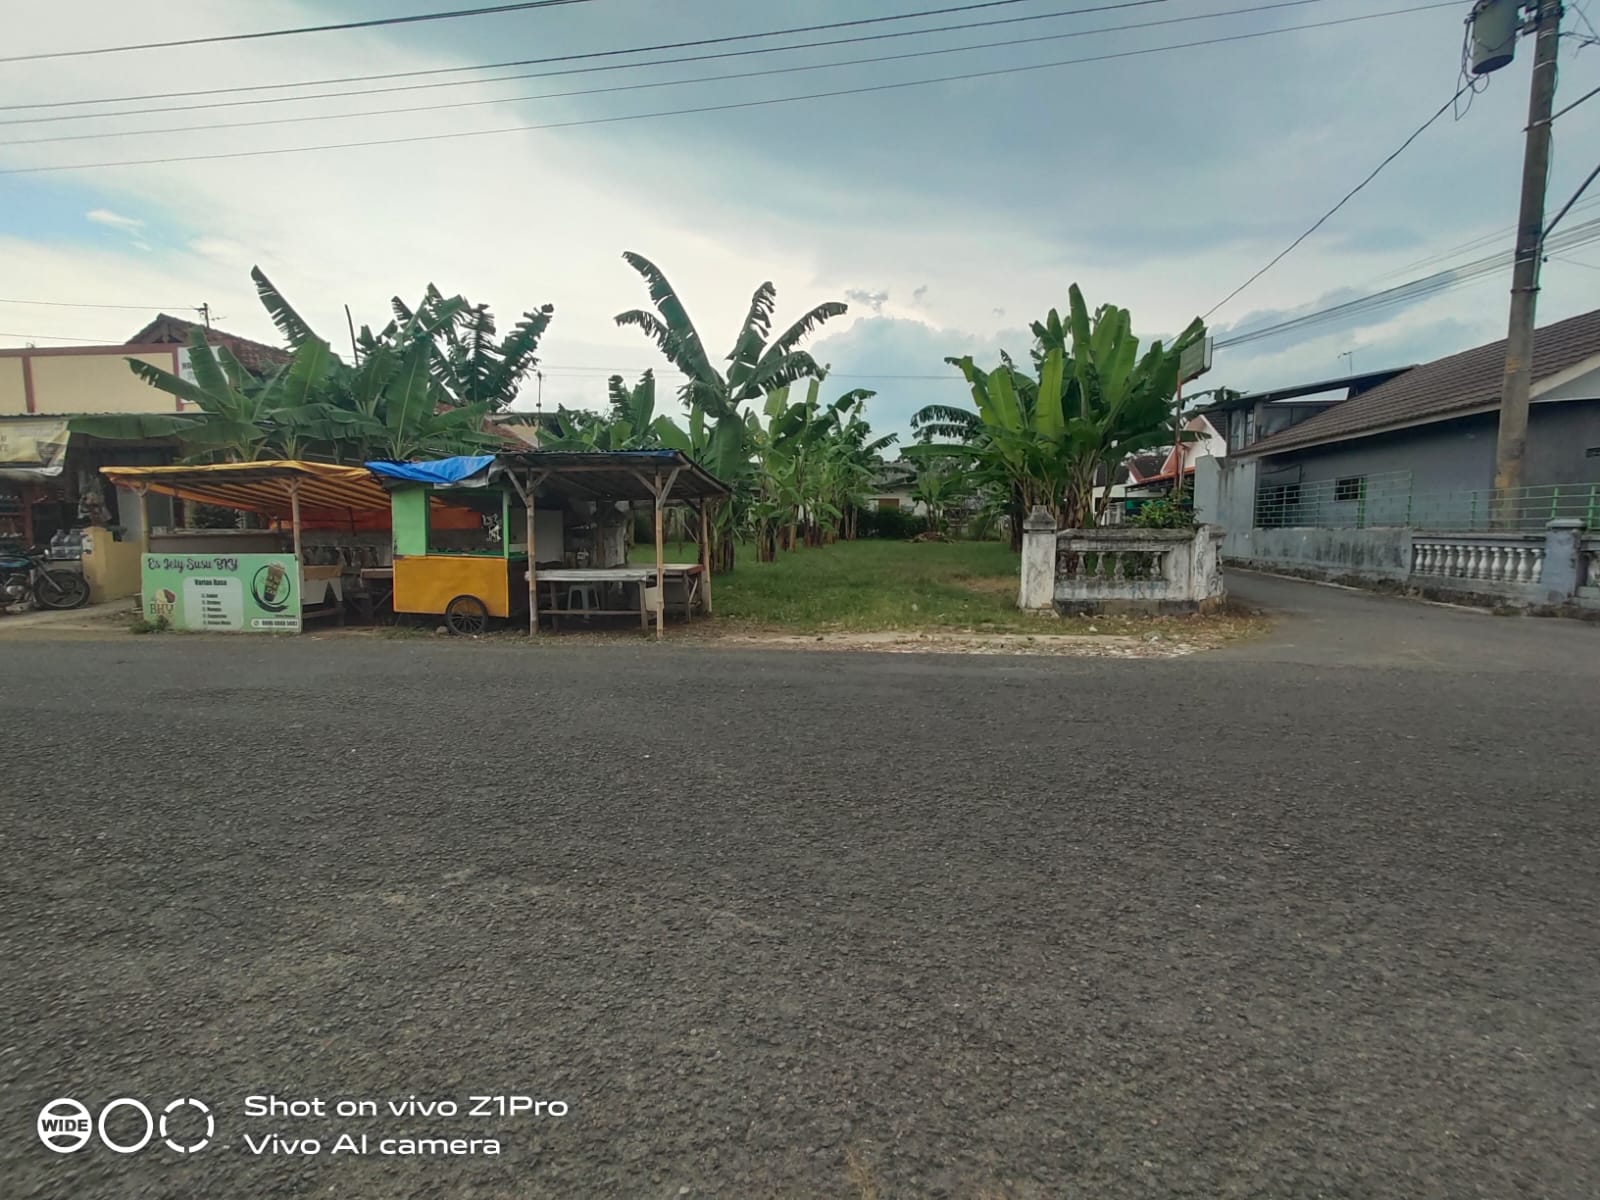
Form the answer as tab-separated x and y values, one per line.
1390	498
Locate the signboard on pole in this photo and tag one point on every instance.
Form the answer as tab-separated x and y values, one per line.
1195	361
223	593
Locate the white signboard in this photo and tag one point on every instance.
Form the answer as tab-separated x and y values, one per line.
1195	361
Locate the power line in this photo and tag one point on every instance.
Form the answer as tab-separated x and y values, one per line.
49	337
272	33
1348	196
728	107
71	304
1589	95
1416	289
1483	240
1567	207
693	58
661	83
529	62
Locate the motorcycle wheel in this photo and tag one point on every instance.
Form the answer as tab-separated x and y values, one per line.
61	589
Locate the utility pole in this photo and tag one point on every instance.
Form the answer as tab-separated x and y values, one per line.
1512	442
205	314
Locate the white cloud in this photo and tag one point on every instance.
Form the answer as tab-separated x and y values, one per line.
104	216
956	217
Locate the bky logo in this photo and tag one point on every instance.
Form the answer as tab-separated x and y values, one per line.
66	1126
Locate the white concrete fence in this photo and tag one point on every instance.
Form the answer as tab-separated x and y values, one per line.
1110	568
1556	569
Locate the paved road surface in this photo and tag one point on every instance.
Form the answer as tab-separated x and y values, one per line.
1310	917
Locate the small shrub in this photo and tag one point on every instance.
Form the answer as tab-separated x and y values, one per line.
893	523
144	625
1163	514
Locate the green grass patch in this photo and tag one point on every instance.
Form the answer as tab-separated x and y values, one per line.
872	585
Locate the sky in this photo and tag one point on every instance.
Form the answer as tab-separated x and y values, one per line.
947	215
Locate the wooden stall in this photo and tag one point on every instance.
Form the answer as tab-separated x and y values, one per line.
320	527
571	510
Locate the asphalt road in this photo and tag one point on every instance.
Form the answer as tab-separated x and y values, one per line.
1313	916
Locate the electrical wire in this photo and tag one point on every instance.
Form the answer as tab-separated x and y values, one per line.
1348	196
130	307
453	83
660	83
1416	289
489	10
529	62
1589	95
728	107
50	337
1482	240
1565	208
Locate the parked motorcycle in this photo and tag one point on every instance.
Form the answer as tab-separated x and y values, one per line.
24	577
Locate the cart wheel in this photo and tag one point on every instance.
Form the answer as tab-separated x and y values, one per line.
466	616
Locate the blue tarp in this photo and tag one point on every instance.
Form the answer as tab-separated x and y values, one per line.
440	472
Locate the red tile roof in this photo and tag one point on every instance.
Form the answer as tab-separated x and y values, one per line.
1436	391
255	357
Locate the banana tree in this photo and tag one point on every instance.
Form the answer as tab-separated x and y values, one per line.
937	486
468	363
1125	402
630	423
715	398
240	417
1049	440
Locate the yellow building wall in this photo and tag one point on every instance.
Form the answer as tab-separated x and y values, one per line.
13	397
97	383
110	567
428	584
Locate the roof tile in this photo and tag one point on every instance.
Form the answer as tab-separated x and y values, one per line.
1434	391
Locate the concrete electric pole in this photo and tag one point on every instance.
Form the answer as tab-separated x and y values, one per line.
1513	437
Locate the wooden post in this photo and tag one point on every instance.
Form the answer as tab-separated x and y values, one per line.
294	520
705	553
139	490
661	560
530	505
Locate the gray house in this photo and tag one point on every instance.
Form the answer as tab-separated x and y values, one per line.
1418	449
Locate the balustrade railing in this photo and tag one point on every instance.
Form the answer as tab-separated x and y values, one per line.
1498	560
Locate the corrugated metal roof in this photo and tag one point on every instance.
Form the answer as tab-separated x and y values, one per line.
618	474
1447	387
327	491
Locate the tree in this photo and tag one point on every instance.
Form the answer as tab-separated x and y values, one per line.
757	365
467	362
395	401
1050	439
938	485
719	434
629	424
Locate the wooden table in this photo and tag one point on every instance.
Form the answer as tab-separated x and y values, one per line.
641	579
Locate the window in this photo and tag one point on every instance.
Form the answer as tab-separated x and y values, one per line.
887	502
1350	490
1278	506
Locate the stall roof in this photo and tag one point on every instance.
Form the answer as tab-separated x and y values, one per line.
580	474
326	489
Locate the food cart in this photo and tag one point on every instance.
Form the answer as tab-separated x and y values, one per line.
321	527
550	536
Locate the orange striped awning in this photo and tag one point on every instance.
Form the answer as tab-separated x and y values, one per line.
329	494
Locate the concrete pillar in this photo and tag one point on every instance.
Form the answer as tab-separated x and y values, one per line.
1208	491
1038	560
1562	573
